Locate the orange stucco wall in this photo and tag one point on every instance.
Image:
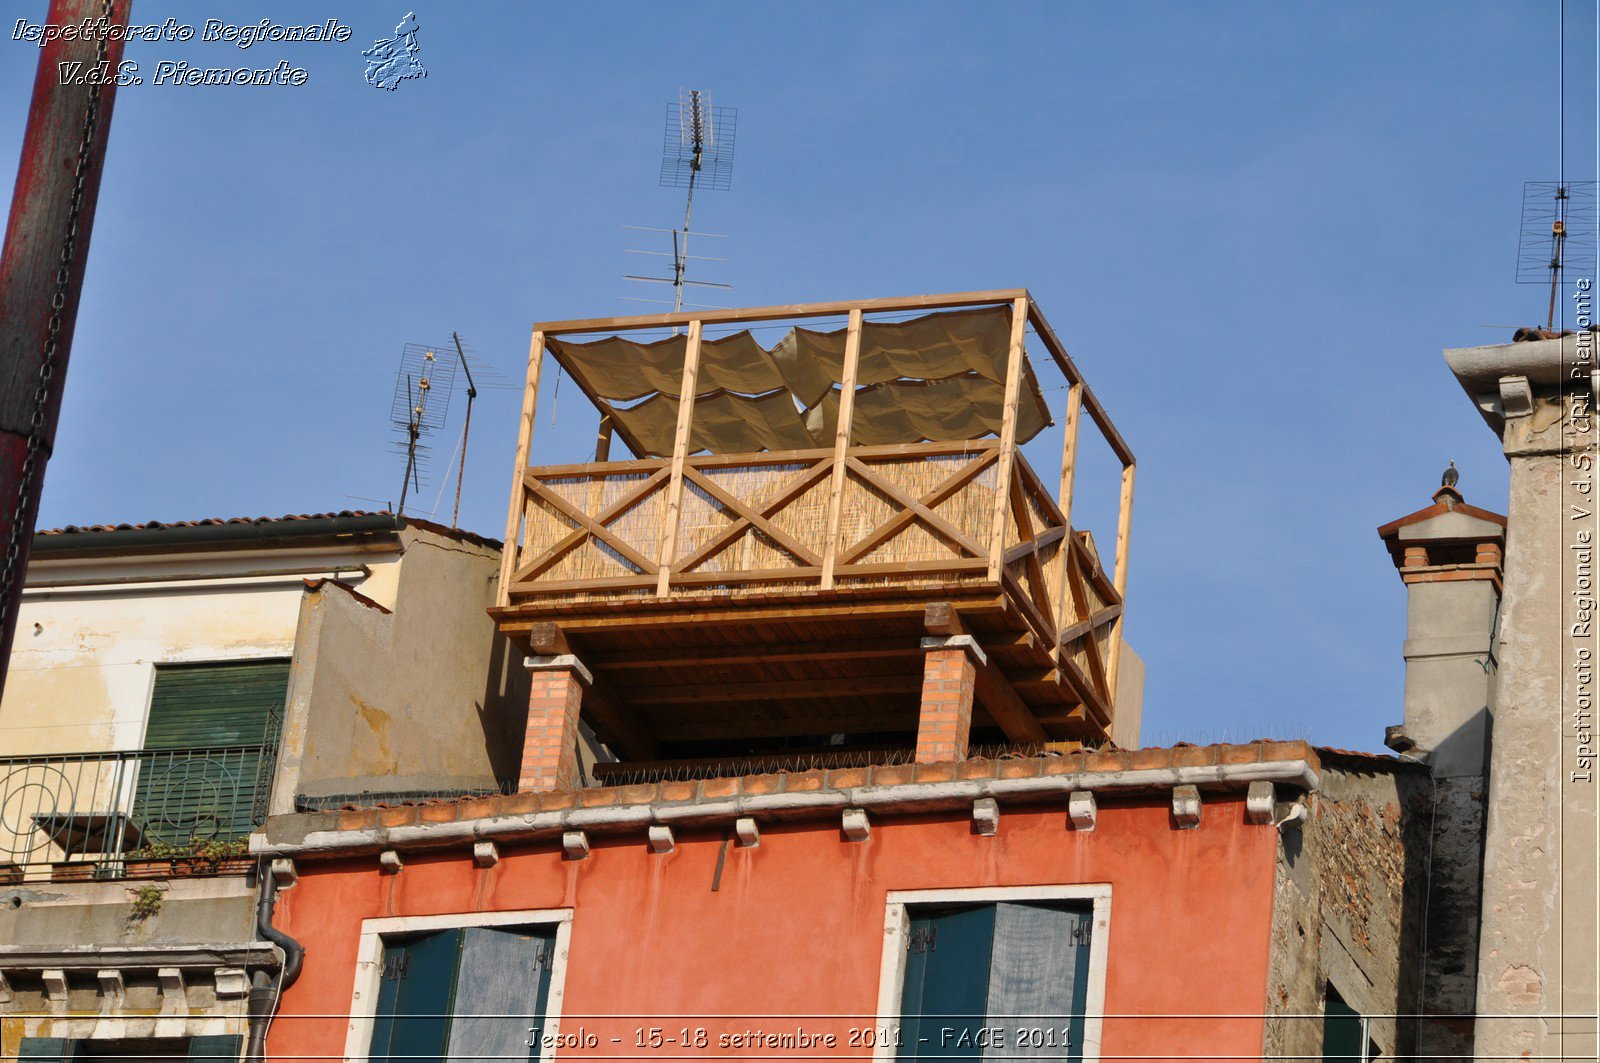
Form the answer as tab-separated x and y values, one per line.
797	925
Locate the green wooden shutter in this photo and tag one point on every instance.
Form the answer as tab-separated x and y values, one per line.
199	705
501	991
220	1049
1015	966
945	998
181	795
51	1048
416	996
1342	1034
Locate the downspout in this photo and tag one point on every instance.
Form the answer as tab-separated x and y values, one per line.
265	990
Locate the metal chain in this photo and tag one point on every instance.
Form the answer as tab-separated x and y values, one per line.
58	302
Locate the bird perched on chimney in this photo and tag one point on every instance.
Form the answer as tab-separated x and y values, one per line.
1451	476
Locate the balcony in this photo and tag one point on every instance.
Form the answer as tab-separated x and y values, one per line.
78	816
736	591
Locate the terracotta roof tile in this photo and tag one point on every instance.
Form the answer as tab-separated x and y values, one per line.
157	525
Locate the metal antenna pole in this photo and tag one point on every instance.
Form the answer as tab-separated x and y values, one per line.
472	393
1558	235
681	251
414	430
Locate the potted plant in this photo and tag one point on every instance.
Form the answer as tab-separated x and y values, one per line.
154	859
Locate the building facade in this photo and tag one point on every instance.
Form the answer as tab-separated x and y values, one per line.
172	685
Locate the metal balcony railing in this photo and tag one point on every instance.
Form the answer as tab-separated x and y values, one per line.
69	815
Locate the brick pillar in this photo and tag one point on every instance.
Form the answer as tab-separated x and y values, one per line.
550	743
949	677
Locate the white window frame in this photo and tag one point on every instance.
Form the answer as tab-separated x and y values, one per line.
897	925
369	967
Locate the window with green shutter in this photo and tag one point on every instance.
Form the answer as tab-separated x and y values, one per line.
464	993
1344	1031
217	1049
210	747
995	981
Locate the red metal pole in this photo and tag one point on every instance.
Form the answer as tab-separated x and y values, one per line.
41	266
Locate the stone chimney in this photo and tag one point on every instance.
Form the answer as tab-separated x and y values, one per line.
1539	941
1449	557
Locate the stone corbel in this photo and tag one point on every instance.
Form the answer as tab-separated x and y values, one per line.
1516	396
1186	807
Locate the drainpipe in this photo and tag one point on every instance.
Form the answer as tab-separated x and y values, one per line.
265	990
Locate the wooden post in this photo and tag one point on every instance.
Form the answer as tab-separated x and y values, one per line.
1119	578
602	439
841	446
680	451
530	403
1069	467
1008	436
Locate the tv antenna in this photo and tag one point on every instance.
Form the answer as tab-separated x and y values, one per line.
1558	227
422	387
697	152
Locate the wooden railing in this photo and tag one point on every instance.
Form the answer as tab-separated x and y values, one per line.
921	514
914	515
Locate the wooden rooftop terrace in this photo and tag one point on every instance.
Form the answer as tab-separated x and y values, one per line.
723	600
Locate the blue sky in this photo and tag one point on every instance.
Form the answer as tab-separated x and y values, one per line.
1254	225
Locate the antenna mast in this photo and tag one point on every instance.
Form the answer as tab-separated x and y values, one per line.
697	152
1558	224
466	427
422	388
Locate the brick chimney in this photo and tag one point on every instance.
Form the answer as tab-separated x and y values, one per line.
1449	556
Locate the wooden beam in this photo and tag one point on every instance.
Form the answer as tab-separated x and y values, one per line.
797	486
548	640
574	538
1120	579
1063	360
1034	545
590	525
586	618
941	620
841	446
530	399
744	512
770	653
1008	710
602	438
680	450
1083	627
912	509
1069	468
1008	435
683	726
777	690
769	313
618	724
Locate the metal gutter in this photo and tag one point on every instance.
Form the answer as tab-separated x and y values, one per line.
902	798
192	536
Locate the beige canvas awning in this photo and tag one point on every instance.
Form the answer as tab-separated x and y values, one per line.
937	377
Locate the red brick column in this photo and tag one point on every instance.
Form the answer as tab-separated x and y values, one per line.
949	677
550	743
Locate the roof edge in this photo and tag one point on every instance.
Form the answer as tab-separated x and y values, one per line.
191	535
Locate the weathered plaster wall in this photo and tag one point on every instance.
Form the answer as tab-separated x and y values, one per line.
1347	908
796	925
426	698
91	632
1539	947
